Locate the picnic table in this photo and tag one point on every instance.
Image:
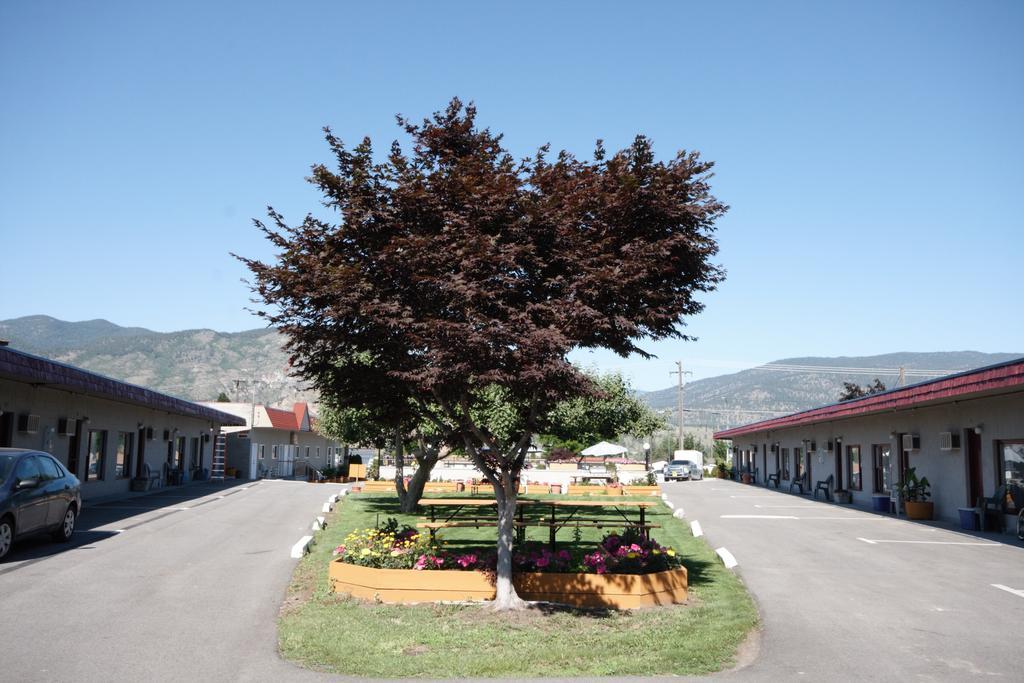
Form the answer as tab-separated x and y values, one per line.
560	513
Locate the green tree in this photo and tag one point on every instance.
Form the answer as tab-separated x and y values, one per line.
222	397
612	410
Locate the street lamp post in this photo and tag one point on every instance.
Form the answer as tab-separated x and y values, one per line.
647	455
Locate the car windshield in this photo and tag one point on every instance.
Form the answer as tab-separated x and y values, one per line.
680	463
6	464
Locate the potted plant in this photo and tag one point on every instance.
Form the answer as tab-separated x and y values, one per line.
721	470
915	494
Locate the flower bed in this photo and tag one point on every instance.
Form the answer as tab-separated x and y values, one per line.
401	566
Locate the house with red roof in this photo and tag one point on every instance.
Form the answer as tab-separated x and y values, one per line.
277	442
964	432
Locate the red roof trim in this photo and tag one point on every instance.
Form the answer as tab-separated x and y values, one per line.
1003	376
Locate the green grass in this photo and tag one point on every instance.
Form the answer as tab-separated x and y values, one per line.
327	632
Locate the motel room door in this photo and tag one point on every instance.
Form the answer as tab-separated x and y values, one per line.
975	485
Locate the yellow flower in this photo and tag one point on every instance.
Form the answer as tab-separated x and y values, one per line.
655	552
631	555
364	552
394	553
670	552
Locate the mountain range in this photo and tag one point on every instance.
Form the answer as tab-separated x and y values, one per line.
199	364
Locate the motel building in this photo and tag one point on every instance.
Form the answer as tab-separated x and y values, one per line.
115	437
276	442
964	432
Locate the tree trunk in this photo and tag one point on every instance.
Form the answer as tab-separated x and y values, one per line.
409	498
506	493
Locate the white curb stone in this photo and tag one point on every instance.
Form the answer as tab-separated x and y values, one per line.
328	507
333	499
679	514
302	547
695	529
318	523
727	559
664	496
342	493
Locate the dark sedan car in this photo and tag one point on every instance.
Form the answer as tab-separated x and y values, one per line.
37	495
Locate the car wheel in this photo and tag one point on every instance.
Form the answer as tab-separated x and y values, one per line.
6	536
67	526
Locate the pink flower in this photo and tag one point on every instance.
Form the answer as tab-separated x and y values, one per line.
466	560
421	563
564	556
542	562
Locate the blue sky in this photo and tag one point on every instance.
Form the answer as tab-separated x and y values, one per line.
871	151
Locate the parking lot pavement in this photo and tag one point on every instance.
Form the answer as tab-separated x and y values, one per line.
183	584
847	594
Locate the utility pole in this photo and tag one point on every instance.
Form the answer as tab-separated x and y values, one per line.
679	396
902	379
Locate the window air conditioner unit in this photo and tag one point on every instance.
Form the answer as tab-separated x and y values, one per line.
814	445
911	442
949	441
28	424
831	446
167	435
149	433
66	426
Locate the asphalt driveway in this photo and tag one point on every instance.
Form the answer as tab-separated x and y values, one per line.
848	595
181	585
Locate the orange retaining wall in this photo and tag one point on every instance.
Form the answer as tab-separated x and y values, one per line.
614	591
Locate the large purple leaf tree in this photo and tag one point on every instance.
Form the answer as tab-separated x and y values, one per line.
449	282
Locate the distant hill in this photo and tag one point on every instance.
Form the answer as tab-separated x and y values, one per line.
755	394
199	364
192	364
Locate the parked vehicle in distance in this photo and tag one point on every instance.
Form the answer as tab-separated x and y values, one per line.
678	470
37	495
696	471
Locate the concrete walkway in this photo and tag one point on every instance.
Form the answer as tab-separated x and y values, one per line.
184	584
847	594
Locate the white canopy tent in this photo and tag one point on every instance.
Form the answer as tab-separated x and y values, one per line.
604	449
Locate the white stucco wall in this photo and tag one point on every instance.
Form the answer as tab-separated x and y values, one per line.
1001	418
103	415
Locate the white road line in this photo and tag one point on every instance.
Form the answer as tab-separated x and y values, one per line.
848	517
768	496
801	507
181	508
1018	593
759	517
882	540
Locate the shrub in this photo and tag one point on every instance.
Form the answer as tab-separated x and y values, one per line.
630	553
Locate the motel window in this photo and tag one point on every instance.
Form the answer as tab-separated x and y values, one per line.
798	463
73	449
307	452
95	460
195	453
317	452
1011	469
880	454
273	453
853	466
123	457
263	453
785	464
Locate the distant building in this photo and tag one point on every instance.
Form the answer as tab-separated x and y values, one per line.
965	432
106	432
280	443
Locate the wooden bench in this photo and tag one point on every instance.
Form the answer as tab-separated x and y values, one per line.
773	479
825	486
800	482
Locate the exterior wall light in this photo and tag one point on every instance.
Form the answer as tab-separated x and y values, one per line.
977	428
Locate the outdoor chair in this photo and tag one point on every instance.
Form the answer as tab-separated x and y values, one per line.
997	504
800	482
826	487
773	479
